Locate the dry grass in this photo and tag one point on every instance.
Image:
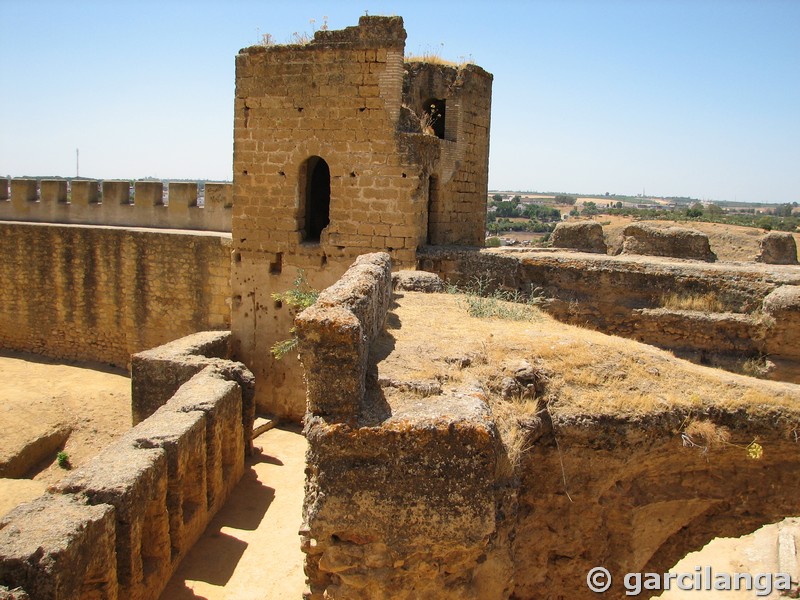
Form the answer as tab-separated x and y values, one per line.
706	434
593	374
588	374
432	58
707	303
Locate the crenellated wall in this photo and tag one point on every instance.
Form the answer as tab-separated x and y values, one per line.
117	203
118	526
103	293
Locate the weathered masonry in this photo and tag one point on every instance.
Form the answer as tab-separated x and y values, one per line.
100	270
342	148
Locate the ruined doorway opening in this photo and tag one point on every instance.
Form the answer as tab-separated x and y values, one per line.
435	109
317	198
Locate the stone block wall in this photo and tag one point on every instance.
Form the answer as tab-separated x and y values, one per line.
118	526
462	95
118	203
335	336
326	168
157	374
401	502
103	293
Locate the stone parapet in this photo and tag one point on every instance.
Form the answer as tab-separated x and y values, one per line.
335	335
118	526
117	203
158	374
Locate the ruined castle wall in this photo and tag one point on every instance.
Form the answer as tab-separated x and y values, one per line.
118	526
103	293
335	335
400	502
92	202
630	496
624	296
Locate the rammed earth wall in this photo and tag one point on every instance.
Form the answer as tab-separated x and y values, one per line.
103	293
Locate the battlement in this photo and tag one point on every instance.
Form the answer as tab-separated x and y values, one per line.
178	205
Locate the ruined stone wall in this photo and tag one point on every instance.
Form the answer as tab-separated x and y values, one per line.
103	293
91	202
676	242
324	120
624	296
118	526
627	494
401	501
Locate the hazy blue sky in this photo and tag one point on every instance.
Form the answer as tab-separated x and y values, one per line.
676	98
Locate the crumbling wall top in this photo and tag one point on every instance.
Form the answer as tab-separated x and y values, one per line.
371	32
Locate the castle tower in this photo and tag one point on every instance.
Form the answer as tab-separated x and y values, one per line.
343	148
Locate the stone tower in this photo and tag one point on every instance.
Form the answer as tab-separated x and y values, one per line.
341	147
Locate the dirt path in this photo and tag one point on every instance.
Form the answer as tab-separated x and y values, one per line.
251	550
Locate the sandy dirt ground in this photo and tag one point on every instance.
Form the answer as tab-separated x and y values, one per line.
91	402
251	549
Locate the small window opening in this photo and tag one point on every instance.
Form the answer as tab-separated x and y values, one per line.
435	109
318	198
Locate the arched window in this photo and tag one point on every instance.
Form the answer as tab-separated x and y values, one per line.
317	198
435	109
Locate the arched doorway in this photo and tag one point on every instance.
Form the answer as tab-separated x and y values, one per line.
317	198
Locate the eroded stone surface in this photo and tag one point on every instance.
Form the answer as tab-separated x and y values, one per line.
579	235
777	248
417	281
56	547
676	242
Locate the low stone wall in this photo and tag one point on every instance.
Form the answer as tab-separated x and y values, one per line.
675	242
118	526
91	202
624	296
157	374
335	336
401	501
103	293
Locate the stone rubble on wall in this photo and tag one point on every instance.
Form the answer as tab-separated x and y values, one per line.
777	248
417	281
585	236
675	242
